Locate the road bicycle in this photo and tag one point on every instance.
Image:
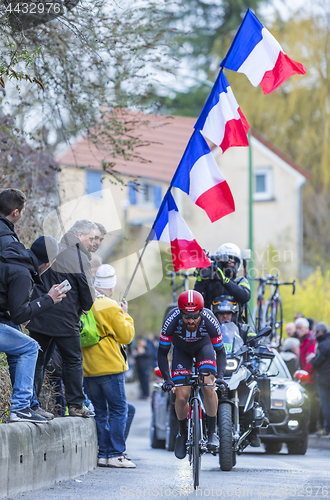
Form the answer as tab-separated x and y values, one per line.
274	308
258	315
196	444
270	313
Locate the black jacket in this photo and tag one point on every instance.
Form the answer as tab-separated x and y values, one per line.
321	361
7	233
72	264
212	288
18	273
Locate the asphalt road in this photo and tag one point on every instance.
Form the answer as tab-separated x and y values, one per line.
160	475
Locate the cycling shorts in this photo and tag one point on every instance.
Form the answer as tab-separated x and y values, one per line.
182	361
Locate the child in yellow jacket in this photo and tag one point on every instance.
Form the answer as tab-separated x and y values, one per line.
104	366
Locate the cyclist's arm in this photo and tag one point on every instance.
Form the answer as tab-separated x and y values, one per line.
221	362
165	342
214	331
163	350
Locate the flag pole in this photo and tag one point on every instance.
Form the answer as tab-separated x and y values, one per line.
251	217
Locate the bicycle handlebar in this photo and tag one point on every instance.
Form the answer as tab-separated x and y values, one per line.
272	279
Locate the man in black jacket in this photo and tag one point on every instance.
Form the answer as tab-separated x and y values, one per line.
62	324
19	270
321	364
12	206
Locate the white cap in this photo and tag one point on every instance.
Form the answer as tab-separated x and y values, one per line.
105	277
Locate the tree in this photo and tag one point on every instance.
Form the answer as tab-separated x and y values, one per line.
72	73
31	170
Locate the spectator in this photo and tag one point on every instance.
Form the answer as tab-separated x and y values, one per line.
321	364
311	324
96	262
104	367
12	206
19	270
99	237
143	359
298	315
307	346
62	323
291	329
290	354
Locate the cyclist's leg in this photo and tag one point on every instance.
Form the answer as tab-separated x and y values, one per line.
206	365
181	366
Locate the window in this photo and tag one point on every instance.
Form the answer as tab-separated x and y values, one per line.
145	194
94	183
263	184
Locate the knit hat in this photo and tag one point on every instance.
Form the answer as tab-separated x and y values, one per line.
105	277
45	248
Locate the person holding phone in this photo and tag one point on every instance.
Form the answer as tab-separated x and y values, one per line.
20	269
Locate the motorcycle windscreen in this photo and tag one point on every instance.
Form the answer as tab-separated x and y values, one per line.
232	340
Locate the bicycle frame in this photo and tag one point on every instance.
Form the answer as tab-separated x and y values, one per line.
197	442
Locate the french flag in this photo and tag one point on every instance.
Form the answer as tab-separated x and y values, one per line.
221	120
170	227
256	53
198	175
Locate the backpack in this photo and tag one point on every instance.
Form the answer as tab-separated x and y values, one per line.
89	335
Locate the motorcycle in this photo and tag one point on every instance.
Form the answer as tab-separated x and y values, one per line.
242	405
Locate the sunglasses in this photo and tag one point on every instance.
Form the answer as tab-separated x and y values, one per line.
190	316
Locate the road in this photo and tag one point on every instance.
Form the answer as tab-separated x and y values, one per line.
160	475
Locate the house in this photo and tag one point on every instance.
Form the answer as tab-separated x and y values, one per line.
277	197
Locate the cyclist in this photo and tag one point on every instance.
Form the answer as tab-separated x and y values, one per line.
194	332
222	279
225	309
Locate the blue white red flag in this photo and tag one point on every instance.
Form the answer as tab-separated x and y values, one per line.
170	227
256	53
221	120
199	176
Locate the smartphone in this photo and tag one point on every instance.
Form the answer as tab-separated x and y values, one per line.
64	286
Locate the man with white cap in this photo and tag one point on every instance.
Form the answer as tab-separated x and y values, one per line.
104	366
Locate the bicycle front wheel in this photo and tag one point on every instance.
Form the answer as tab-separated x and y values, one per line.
196	434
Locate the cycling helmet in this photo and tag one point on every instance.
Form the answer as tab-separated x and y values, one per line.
190	301
229	251
224	303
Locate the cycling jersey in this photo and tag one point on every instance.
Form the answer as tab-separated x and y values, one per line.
207	333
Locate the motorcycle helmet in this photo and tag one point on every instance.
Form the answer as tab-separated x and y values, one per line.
229	251
190	301
224	303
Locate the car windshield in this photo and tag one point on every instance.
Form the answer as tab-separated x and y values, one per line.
273	367
231	338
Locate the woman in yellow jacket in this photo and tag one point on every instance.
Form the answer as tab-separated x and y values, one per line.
104	366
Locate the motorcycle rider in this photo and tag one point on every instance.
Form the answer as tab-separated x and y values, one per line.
222	279
225	310
195	332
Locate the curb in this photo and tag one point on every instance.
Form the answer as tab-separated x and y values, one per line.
34	456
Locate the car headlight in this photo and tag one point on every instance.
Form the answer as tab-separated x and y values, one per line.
294	395
232	365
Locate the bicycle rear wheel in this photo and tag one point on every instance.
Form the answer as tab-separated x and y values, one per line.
196	434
